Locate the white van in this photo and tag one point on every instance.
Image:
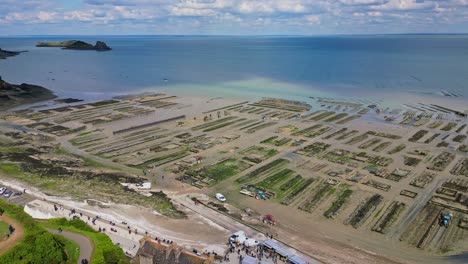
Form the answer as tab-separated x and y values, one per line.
238	237
250	242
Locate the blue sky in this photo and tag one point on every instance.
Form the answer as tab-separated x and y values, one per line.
231	17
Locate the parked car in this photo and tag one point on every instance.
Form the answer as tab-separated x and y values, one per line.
2	190
220	197
7	193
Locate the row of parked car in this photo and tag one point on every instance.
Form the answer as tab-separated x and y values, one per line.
5	192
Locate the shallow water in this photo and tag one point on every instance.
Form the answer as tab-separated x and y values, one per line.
246	67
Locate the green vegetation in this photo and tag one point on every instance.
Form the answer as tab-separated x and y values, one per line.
37	245
397	149
297	190
83	188
261	126
460	128
10	149
274	141
10	168
251	125
105	252
257	154
332	211
322	116
349	118
275	179
449	126
364	210
3	229
292	129
322	191
306	131
336	117
223	125
285	187
56	44
222	170
213	123
265	168
104	103
164	159
89	162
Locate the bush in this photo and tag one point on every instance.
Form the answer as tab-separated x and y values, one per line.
37	245
105	252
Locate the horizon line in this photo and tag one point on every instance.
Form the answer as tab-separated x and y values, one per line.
233	35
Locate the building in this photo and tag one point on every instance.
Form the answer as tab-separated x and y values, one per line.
152	252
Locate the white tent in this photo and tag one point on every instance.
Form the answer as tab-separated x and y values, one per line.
249	260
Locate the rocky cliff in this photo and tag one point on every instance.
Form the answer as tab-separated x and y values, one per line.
76	45
5	53
12	95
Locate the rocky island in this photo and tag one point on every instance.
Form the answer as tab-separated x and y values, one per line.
76	45
5	53
12	95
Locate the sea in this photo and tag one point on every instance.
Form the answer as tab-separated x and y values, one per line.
386	68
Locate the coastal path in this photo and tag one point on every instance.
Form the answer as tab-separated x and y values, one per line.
7	244
86	245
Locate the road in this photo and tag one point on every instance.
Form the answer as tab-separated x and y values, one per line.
234	225
86	245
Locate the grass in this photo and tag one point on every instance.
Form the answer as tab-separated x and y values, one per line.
257	151
37	245
11	168
4	229
11	149
81	188
89	162
222	170
104	249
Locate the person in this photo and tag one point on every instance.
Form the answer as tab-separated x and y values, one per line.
60	230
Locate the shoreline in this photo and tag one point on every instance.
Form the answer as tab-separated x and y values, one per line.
330	110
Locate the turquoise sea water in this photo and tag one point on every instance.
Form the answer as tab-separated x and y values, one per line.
246	66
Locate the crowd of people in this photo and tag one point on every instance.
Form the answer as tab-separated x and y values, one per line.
257	251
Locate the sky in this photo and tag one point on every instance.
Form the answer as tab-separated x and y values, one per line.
231	17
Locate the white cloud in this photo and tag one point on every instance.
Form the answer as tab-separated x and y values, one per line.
312	19
403	5
334	15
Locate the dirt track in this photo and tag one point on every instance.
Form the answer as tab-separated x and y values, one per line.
14	238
